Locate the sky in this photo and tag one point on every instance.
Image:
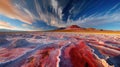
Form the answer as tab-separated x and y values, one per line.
42	15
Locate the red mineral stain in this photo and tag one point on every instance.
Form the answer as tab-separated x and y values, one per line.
43	58
82	56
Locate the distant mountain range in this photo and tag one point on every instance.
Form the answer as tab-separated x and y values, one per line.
75	28
72	28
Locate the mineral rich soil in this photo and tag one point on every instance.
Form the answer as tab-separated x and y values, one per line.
59	49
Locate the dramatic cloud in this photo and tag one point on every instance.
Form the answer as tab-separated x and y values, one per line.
95	20
51	14
5	25
8	9
31	28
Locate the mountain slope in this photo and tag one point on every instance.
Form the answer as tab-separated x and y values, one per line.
75	28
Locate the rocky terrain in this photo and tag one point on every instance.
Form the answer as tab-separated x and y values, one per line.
59	49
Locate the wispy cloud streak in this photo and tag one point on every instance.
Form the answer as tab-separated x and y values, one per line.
9	10
5	25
